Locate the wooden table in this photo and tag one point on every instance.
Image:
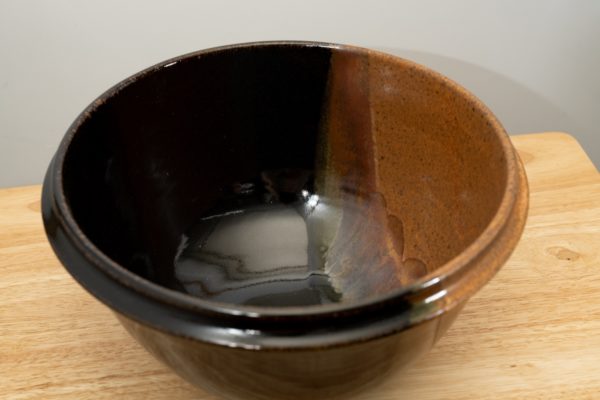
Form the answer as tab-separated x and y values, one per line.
532	333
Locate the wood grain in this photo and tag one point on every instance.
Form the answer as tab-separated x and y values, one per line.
533	332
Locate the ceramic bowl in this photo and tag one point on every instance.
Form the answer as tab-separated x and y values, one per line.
340	205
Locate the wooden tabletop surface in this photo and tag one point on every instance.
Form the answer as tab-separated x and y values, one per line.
532	333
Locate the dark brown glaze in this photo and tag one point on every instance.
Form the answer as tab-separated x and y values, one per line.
329	373
427	200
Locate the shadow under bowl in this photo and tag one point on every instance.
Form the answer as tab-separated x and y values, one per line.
285	219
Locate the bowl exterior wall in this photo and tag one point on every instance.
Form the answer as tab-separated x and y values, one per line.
329	372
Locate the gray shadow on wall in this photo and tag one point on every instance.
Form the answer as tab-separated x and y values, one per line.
519	108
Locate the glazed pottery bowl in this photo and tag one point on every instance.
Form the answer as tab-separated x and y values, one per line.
285	219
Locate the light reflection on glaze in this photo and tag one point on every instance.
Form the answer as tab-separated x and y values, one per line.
268	250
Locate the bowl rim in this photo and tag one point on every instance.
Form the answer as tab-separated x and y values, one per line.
182	300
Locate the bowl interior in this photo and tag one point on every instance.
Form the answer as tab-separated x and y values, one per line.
284	174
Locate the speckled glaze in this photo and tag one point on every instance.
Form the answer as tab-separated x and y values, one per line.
432	200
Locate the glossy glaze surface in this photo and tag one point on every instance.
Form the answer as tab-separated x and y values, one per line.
264	177
329	373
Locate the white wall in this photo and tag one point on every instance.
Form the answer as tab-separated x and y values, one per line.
535	63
